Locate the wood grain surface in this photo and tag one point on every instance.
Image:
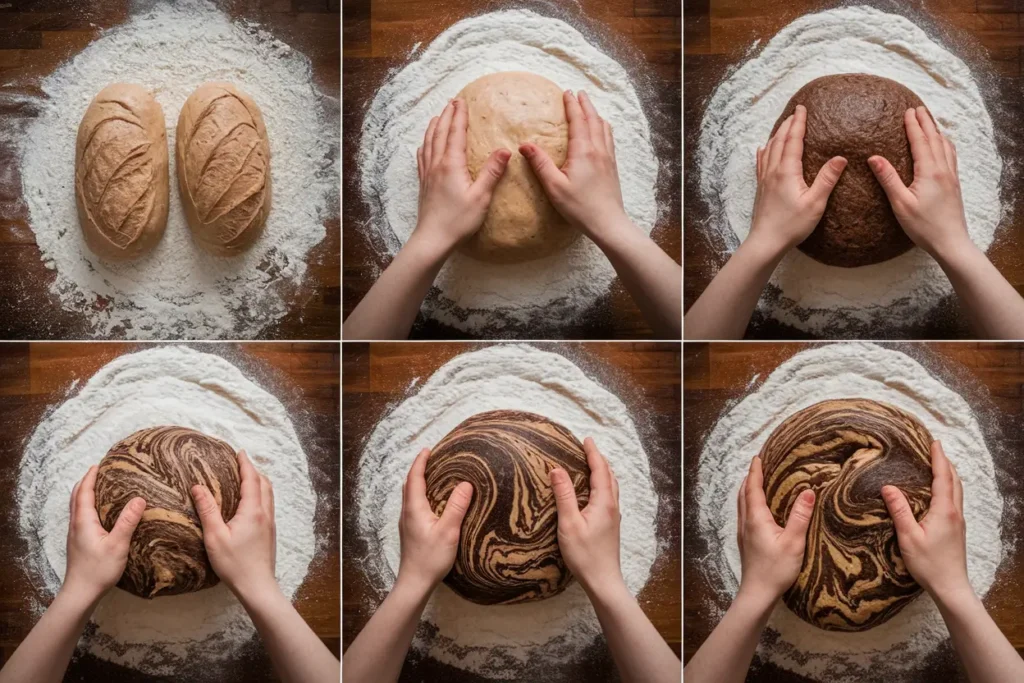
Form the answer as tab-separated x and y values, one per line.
304	377
644	35
645	376
987	34
36	36
991	379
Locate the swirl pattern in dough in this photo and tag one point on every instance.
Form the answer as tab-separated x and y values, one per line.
853	577
162	464
508	550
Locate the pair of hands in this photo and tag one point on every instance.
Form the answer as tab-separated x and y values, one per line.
452	205
588	538
242	551
934	549
931	210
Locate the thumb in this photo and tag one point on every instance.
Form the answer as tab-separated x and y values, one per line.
565	495
899	509
800	515
887	177
828	176
128	520
207	508
493	170
457	506
545	169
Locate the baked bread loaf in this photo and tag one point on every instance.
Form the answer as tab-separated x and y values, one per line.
223	159
508	549
853	577
121	176
162	464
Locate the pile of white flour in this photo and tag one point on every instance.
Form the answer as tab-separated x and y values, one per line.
178	290
828	300
897	647
499	641
163	386
488	298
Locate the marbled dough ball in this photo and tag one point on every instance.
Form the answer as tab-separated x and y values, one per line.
508	550
853	577
162	464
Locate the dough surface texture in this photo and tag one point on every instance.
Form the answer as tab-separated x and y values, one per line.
506	110
162	464
121	176
508	551
853	577
223	160
855	116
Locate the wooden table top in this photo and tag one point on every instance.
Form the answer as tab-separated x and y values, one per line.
645	35
644	375
989	376
36	36
987	34
304	377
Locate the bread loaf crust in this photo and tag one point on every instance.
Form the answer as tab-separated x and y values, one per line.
223	159
121	173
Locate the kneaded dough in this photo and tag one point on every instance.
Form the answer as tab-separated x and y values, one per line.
508	549
855	116
853	577
162	464
506	110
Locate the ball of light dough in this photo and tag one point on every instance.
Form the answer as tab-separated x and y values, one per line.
506	110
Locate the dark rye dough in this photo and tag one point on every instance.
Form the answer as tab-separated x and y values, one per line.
853	577
162	464
508	551
855	116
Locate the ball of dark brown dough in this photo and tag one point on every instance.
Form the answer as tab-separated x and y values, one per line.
853	577
508	549
162	464
855	116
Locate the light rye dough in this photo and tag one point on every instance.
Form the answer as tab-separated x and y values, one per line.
506	110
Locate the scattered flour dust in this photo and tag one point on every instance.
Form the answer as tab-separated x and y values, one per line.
829	300
499	642
889	651
486	297
178	290
164	385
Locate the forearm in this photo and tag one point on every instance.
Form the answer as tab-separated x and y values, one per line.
726	655
640	653
378	652
44	655
723	311
389	309
296	652
993	306
985	652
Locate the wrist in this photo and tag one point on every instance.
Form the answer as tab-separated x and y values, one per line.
255	591
764	248
429	246
416	588
757	598
955	596
612	231
951	252
79	600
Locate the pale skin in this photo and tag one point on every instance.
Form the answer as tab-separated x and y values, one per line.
241	551
587	538
930	211
934	550
452	206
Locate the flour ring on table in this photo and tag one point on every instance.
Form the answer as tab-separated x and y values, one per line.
499	641
200	391
830	372
475	295
739	118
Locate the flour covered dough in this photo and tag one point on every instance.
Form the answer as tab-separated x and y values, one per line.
506	110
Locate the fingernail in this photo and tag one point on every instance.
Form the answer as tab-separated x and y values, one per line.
875	164
556	474
807	496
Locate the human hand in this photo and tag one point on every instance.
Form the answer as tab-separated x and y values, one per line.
771	556
452	205
934	549
429	543
242	550
586	189
96	557
931	210
589	538
786	210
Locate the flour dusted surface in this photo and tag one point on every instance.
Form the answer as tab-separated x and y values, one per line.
900	645
500	641
163	386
